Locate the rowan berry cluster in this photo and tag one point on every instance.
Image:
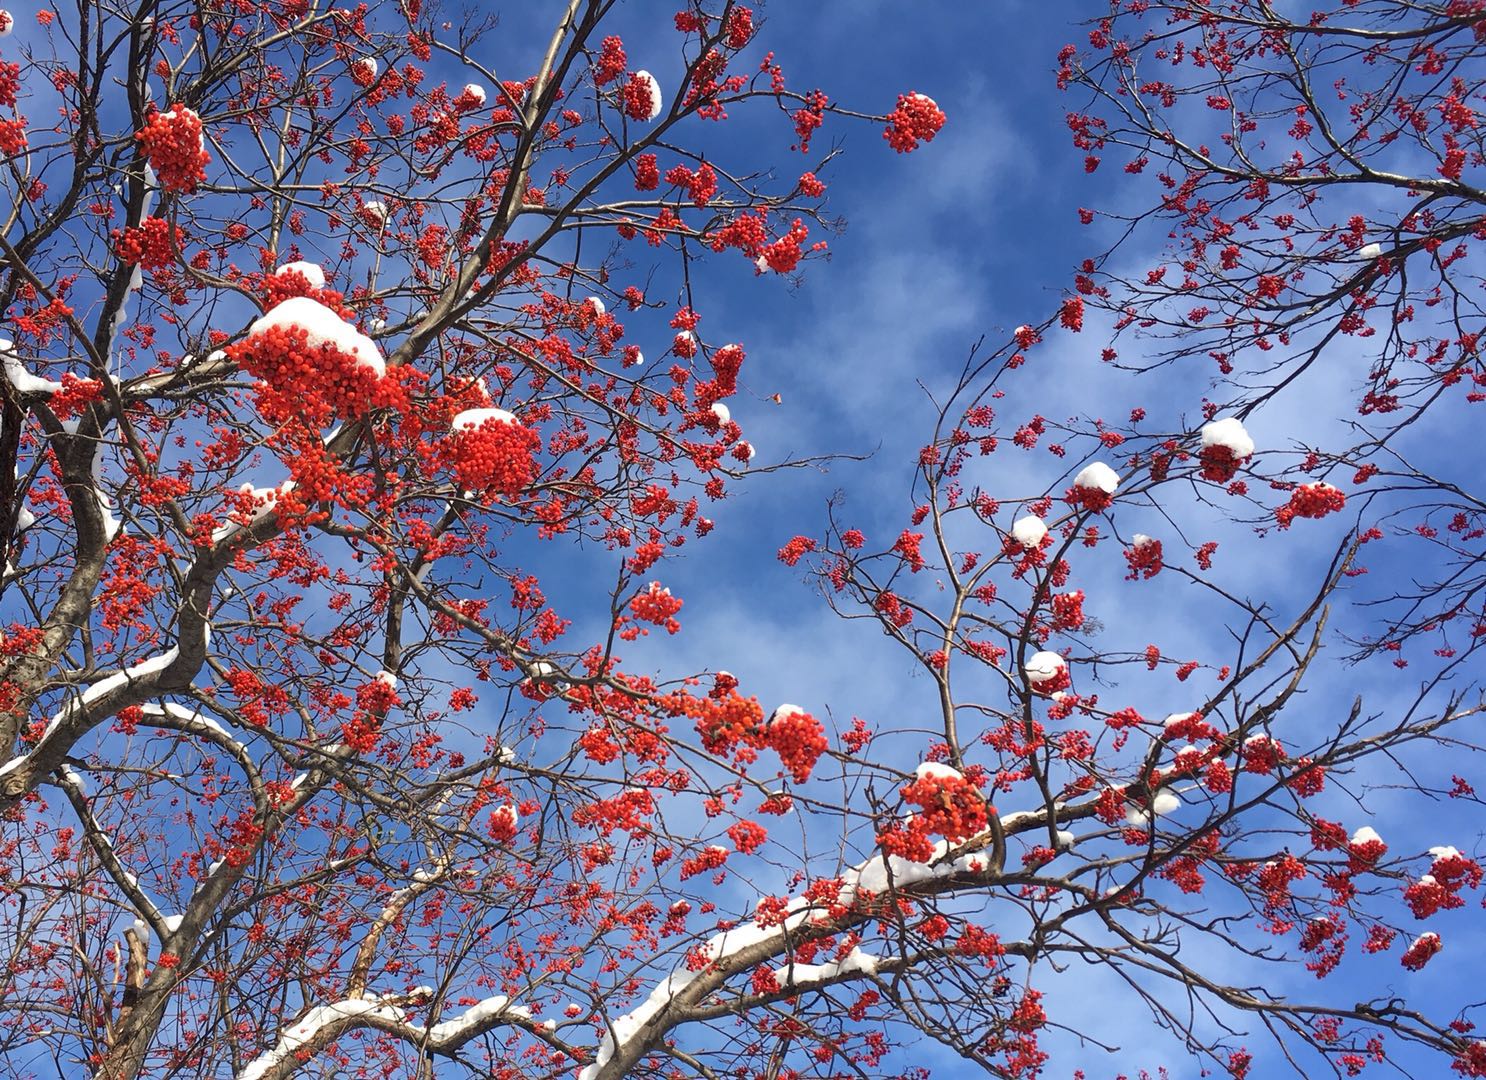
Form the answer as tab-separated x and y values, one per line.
1144	558
152	244
916	119
799	740
494	458
172	141
1219	463
1310	501
316	381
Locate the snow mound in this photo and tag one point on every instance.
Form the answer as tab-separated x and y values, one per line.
1228	432
1099	477
471	419
1043	667
1029	531
324	327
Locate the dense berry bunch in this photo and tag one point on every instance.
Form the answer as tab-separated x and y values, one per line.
951	806
172	142
1145	558
1219	463
640	97
1310	501
611	61
798	739
494	456
152	244
314	380
916	119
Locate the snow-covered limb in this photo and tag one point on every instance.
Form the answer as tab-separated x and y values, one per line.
324	1024
318	1027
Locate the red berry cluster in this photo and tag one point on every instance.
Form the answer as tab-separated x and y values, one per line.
286	284
1219	463
172	142
799	740
657	605
637	97
1310	501
316	381
1261	754
1092	499
916	119
611	61
1421	951
153	244
701	184
494	458
1144	559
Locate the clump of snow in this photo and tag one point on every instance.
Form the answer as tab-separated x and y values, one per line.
1097	477
474	1015
1444	852
375	209
368	67
323	327
475	92
1166	803
312	272
1140	540
1368	252
17	375
308	1027
473	418
722	412
1065	840
1228	432
596	305
655	98
7	23
1029	531
1366	834
1043	667
938	771
746	451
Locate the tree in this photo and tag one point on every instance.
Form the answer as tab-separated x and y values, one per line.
317	389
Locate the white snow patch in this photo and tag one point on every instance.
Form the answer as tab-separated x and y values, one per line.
475	1015
310	1024
722	412
1043	667
1228	432
938	771
1099	477
1029	531
471	419
1368	252
1366	834
474	91
17	375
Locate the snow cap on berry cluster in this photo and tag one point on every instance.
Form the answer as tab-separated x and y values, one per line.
323	327
1228	432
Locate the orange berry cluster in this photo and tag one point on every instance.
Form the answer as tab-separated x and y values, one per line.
316	381
495	457
172	143
153	244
